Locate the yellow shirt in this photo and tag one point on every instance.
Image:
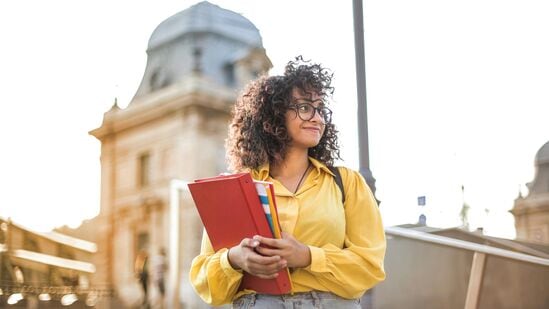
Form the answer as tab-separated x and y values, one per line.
347	242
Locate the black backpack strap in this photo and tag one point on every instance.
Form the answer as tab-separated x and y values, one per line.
338	181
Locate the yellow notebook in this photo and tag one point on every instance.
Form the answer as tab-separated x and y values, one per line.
274	212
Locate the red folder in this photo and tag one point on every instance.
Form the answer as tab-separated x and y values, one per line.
230	210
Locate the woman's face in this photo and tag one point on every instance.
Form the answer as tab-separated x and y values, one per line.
305	133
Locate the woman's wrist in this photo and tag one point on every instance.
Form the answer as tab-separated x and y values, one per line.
231	260
306	256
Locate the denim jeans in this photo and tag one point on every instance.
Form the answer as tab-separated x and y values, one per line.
312	299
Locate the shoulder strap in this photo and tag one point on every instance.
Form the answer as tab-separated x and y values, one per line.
338	181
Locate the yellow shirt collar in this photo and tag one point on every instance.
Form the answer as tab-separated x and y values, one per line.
262	173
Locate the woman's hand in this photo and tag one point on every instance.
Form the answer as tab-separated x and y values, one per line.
244	256
288	248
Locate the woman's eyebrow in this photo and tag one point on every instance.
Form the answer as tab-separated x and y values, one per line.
309	100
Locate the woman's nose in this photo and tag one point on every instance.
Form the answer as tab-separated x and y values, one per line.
317	117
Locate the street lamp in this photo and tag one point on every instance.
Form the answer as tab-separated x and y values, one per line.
363	143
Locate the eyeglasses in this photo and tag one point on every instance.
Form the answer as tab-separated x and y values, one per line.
306	112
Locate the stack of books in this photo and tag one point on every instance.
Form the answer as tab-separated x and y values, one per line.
234	207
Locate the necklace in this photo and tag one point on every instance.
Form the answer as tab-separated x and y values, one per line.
302	176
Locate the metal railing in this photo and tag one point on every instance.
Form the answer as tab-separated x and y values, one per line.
480	252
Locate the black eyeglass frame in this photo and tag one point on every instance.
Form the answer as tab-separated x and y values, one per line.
324	112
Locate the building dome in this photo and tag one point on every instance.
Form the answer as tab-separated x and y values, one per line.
540	184
542	157
205	17
204	40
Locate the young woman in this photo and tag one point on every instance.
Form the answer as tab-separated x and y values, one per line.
282	132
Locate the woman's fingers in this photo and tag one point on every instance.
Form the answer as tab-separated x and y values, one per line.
268	251
270	271
264	265
263	260
247	257
249	242
288	248
271	246
237	254
272	242
266	262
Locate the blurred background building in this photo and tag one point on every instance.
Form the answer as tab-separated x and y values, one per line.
45	270
532	212
174	128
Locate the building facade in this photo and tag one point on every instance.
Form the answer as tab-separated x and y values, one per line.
174	128
532	212
45	270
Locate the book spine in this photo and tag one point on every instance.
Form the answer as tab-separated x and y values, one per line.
262	192
274	212
254	206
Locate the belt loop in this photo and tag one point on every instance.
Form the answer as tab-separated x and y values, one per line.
252	301
316	299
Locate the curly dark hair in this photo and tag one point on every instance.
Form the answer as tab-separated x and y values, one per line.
258	133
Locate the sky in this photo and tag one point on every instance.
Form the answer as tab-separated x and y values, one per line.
457	95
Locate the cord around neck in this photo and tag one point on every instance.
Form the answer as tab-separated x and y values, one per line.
302	177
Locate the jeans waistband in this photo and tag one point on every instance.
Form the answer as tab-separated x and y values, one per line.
312	295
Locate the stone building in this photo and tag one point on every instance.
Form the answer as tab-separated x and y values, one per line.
45	270
174	128
532	212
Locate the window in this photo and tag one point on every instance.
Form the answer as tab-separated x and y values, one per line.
230	78
158	80
65	252
3	232
142	241
144	170
141	249
29	243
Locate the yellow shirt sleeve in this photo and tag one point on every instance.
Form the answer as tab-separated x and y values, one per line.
212	276
350	271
